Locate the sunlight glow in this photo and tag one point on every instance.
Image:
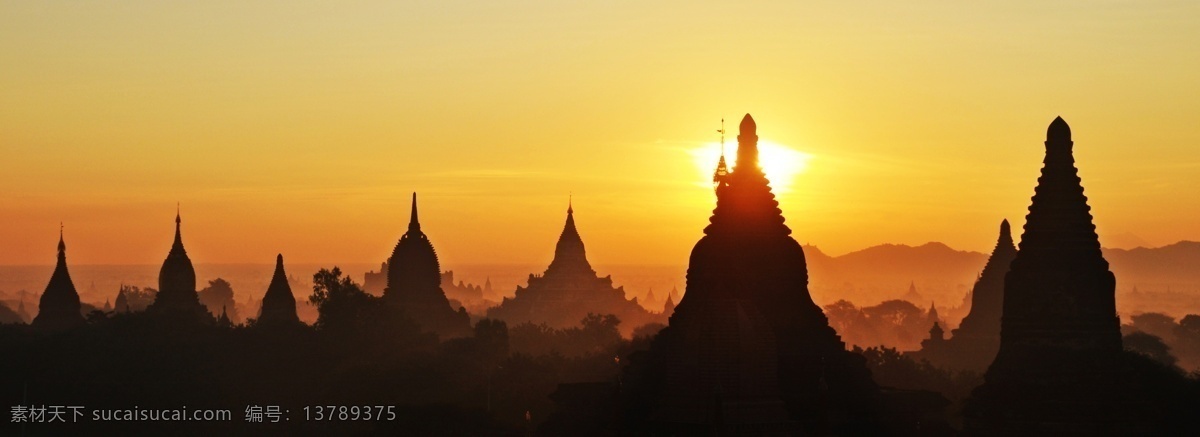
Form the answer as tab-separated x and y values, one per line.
781	163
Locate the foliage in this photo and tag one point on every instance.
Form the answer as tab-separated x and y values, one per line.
218	298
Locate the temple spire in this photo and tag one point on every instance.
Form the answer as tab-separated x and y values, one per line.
278	303
62	246
413	224
1005	233
722	169
178	237
59	305
1058	130
569	253
747	156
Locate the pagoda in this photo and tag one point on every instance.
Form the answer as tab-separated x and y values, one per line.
278	303
973	345
59	307
414	284
1059	369
569	290
177	284
122	304
747	351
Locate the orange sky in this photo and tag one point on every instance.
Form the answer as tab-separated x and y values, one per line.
302	127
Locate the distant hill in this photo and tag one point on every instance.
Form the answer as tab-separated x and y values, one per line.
943	274
1178	263
1166	279
878	273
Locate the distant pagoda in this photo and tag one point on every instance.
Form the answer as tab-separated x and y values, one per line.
122	304
278	303
747	351
569	290
59	307
414	284
973	345
1059	370
177	284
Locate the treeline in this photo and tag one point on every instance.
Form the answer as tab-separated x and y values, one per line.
497	381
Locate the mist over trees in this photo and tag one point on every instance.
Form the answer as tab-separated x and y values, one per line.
360	352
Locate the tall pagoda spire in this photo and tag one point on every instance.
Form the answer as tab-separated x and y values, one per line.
414	225
59	307
278	304
722	169
177	273
414	283
177	281
976	340
569	253
987	297
747	331
745	203
747	156
178	244
1060	364
1059	277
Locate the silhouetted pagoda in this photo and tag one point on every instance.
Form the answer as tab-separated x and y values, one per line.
122	305
569	290
59	307
1059	370
414	284
973	345
278	303
912	295
747	351
177	283
932	316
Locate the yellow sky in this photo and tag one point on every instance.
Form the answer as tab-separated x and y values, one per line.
301	127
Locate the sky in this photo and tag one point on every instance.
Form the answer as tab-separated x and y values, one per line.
302	127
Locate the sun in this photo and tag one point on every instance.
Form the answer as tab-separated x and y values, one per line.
781	163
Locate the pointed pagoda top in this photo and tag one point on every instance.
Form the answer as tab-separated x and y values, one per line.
59	305
413	224
178	244
1058	131
745	204
62	246
747	154
933	314
747	126
62	258
569	253
987	296
278	304
177	273
1059	219
570	204
1005	233
413	271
